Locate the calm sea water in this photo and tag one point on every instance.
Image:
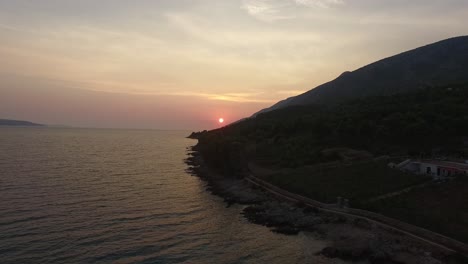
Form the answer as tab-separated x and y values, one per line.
118	196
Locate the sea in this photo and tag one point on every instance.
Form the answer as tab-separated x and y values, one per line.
122	196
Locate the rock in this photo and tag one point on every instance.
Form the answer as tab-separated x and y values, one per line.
338	220
380	257
308	221
362	223
312	210
330	252
359	253
383	261
406	257
278	220
354	247
456	258
286	230
255	214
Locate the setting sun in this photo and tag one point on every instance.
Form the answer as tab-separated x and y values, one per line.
221	120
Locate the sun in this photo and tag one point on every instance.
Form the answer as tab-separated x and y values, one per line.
221	120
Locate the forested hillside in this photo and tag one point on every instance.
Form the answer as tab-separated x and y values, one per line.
432	121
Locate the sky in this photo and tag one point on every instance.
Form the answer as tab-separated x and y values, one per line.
183	64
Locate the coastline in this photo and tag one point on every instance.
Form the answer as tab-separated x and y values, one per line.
348	239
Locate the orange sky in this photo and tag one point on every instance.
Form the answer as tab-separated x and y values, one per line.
179	64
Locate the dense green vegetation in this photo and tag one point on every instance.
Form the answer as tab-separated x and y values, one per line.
357	182
430	121
298	144
441	207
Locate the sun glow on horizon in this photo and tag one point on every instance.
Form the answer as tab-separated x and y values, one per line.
174	65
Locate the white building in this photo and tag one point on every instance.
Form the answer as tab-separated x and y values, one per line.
436	168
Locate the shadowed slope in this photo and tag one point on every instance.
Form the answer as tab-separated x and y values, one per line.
432	65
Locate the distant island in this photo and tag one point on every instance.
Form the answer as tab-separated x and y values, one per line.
9	122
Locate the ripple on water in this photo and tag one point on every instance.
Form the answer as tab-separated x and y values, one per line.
117	196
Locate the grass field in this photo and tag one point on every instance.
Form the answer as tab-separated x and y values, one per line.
440	207
357	182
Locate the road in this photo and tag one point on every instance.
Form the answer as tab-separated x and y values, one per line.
455	246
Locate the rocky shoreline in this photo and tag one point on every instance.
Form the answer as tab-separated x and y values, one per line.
348	239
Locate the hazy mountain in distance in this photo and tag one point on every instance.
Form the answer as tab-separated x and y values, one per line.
436	64
9	122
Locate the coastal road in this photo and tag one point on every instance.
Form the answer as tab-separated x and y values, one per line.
455	246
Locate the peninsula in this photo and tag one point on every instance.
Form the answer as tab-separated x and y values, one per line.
338	145
10	122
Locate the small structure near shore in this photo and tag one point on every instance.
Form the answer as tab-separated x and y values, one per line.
342	202
438	169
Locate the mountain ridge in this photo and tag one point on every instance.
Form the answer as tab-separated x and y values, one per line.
442	62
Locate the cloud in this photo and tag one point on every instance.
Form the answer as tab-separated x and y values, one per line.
247	97
273	10
319	3
405	20
265	10
228	97
202	29
9	28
